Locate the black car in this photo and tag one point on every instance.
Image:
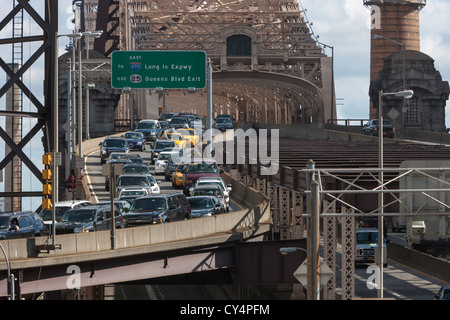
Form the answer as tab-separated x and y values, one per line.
135	140
159	146
223	124
160	208
371	128
110	145
205	206
87	219
165	125
22	224
179	122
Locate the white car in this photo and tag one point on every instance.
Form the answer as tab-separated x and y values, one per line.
226	188
154	185
133	191
167	157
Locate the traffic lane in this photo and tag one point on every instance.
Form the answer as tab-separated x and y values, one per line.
400	282
96	182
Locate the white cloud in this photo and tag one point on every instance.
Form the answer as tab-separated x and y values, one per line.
345	25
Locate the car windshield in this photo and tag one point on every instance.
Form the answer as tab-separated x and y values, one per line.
136	169
133	181
148	204
46	214
163	156
178	120
200	203
4	222
176	136
164	144
223	120
133	135
366	237
385	122
204	167
208	192
79	215
184	132
180	167
146	125
217	183
115	143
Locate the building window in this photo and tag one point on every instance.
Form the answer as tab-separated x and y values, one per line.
239	46
412	115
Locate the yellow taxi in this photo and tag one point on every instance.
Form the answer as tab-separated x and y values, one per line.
179	140
189	135
177	176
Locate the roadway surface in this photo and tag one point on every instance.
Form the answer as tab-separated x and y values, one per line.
400	281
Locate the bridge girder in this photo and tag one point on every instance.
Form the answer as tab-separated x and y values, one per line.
45	31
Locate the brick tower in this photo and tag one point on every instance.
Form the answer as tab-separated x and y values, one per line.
397	20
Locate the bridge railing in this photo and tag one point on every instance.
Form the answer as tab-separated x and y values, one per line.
243	224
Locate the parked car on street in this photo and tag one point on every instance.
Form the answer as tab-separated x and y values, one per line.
136	140
205	206
371	128
161	208
88	219
112	144
23	224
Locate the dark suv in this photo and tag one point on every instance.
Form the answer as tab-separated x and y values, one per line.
22	224
87	219
161	208
110	145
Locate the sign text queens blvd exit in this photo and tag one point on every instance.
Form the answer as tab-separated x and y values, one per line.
153	69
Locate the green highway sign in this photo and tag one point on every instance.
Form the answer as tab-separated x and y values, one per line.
158	69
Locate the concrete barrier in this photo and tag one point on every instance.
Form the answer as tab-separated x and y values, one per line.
424	262
242	224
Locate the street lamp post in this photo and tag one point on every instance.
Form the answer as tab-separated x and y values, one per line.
405	94
404	70
95	34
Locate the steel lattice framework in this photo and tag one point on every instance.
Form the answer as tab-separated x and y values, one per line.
44	35
270	37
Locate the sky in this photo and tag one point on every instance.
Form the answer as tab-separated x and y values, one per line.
344	24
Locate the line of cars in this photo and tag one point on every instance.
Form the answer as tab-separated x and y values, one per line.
205	198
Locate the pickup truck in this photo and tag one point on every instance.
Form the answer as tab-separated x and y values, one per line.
371	128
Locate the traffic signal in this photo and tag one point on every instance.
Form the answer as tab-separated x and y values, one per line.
47	177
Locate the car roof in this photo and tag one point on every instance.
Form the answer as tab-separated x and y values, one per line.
202	196
207	186
115	138
68	203
366	230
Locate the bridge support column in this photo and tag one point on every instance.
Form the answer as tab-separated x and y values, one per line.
329	250
284	203
348	255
